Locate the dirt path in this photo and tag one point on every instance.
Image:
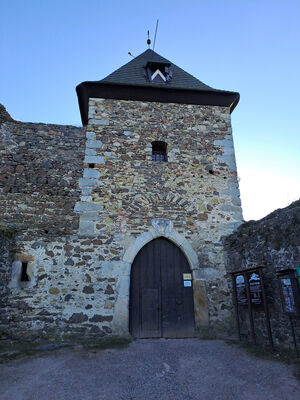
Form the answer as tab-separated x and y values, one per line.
149	369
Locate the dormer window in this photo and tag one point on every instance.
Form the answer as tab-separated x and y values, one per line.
159	151
158	72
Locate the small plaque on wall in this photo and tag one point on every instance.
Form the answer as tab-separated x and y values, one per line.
187	277
187	283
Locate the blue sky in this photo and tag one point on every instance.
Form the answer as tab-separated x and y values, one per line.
249	46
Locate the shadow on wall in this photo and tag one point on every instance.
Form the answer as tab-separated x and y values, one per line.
274	243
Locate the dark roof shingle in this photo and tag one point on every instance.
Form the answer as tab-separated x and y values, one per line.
133	73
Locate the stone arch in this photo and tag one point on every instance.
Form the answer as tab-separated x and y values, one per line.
161	227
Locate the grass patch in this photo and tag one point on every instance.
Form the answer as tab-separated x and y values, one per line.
109	342
14	349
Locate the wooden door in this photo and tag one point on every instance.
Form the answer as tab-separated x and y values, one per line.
160	304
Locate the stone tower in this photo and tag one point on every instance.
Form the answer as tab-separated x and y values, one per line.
159	163
116	227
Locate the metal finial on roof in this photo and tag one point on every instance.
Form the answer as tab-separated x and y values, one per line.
155	35
148	40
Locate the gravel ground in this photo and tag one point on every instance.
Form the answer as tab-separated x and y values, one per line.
147	370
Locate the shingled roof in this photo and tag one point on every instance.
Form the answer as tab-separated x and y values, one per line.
130	82
133	73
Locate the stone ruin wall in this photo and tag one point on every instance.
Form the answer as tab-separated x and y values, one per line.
40	166
79	246
272	242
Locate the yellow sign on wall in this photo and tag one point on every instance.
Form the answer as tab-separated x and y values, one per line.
187	277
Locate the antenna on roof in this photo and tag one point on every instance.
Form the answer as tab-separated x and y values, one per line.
148	40
155	35
131	54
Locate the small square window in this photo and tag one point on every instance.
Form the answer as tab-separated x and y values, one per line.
159	151
24	274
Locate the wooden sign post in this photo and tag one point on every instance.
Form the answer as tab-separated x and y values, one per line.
290	298
248	290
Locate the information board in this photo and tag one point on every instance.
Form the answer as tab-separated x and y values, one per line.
288	300
255	288
241	289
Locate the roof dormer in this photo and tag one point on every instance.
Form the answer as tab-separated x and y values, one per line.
158	72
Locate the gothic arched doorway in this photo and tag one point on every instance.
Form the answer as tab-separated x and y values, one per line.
161	304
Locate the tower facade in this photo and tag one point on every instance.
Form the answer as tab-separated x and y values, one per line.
127	237
160	163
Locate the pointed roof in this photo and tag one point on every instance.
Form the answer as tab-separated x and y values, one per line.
133	73
130	82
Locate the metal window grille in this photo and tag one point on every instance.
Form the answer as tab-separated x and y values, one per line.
159	151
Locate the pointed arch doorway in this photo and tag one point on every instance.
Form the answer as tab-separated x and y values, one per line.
160	305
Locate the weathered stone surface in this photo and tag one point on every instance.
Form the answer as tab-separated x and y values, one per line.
94	159
91	173
54	290
83	207
126	200
39	170
101	318
274	243
77	318
88	289
95	144
98	122
86	228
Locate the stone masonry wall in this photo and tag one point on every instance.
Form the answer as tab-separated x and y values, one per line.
40	166
80	278
196	191
272	242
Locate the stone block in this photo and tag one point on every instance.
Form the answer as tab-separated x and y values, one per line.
90	152
224	143
90	216
231	192
91	173
227	159
94	121
86	198
176	238
124	285
114	269
200	304
84	207
86	191
163	226
89	182
86	228
121	316
230	208
95	144
90	135
190	254
94	160
139	242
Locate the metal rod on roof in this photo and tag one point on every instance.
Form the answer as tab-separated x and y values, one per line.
155	35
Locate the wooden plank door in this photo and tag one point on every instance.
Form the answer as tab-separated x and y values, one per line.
145	294
177	300
160	304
